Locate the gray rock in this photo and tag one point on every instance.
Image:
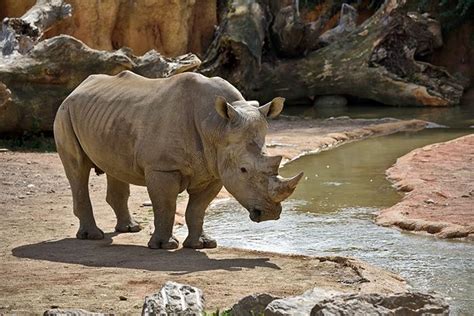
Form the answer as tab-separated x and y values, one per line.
70	312
319	302
298	305
175	299
377	304
252	305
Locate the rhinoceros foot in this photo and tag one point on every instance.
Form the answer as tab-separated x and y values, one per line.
128	227
203	241
157	243
89	232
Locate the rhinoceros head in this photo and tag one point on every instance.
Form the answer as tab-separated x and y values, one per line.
246	172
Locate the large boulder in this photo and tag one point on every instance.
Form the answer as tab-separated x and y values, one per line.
252	305
175	299
33	85
299	305
379	304
327	302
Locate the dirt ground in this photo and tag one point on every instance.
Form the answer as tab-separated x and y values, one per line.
42	265
439	179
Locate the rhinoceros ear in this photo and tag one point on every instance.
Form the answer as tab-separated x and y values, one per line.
273	108
225	110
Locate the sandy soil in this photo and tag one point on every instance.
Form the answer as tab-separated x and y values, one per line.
439	179
43	265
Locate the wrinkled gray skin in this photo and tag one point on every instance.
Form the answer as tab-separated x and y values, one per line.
186	132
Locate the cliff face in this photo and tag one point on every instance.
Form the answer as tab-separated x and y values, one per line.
457	55
172	27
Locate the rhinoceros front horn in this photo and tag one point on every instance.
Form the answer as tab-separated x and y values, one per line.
282	188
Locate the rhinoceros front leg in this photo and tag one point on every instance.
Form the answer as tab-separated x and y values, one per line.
118	193
163	188
197	204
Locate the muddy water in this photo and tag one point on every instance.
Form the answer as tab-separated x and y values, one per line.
332	213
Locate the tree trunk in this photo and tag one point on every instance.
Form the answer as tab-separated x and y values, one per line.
42	78
21	34
375	61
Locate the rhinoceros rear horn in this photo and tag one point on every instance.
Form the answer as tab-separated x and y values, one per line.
225	110
273	163
282	188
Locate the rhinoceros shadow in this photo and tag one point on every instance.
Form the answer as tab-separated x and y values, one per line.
102	253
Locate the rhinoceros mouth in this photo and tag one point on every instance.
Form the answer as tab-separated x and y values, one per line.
256	215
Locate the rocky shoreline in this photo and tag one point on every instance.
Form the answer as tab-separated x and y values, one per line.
439	183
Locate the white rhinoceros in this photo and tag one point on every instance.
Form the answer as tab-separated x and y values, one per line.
186	132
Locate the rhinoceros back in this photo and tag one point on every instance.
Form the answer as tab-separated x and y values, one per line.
127	123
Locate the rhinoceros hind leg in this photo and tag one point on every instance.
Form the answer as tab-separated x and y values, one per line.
163	188
117	197
77	167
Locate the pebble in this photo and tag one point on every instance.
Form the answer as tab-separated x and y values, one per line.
3	150
429	201
123	298
29	186
147	203
442	194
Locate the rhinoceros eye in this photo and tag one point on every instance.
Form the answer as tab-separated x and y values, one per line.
243	170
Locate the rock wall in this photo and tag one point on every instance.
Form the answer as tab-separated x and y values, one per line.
457	55
172	27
